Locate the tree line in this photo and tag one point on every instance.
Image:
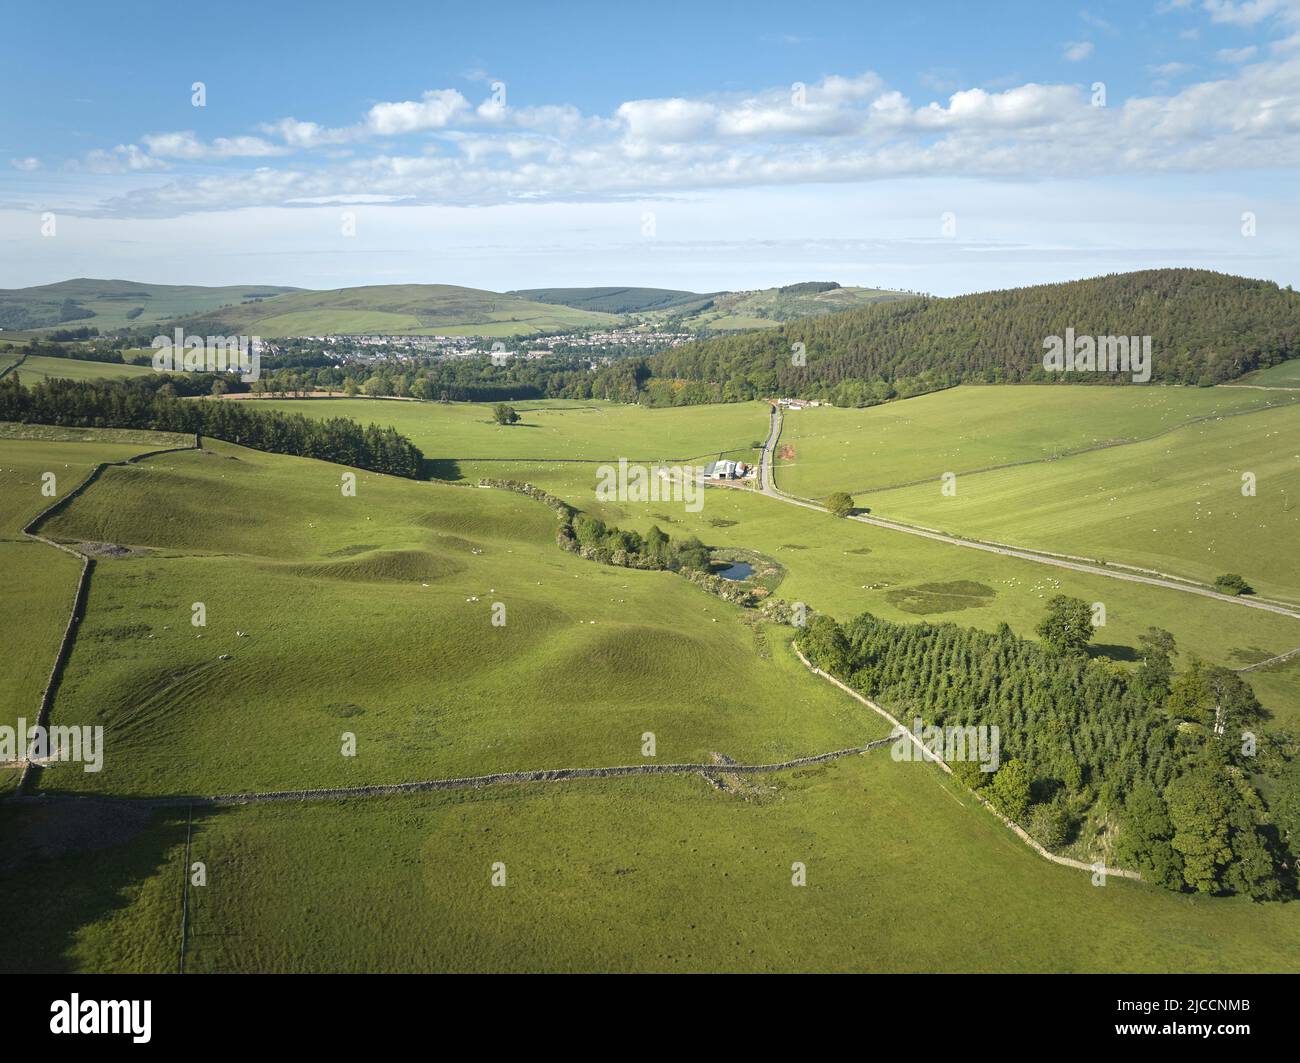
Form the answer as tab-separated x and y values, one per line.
151	404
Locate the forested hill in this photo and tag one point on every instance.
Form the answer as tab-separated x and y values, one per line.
1205	327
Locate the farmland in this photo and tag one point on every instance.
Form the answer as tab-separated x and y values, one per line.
968	429
371	615
564	429
37	367
632	875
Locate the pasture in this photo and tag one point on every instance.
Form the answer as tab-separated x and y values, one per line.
371	616
36	368
1173	504
904	873
568	429
967	429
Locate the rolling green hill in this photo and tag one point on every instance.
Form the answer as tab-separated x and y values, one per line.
718	311
769	307
612	300
396	309
1205	328
591	658
115	304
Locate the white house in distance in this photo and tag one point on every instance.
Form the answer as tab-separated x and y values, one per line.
728	470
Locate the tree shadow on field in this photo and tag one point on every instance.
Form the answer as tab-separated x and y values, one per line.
441	469
1114	652
66	864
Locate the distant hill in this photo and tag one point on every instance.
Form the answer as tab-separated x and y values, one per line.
1205	327
397	309
612	300
115	304
769	307
718	311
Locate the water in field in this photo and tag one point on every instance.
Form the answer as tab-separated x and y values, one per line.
737	570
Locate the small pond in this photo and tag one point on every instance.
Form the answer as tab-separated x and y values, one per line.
737	570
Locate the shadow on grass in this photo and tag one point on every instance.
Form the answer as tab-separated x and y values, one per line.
1114	652
66	865
441	469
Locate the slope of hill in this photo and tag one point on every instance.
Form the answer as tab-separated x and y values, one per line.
612	300
718	311
115	304
1205	327
769	307
397	309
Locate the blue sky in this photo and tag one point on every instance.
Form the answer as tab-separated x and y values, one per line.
936	146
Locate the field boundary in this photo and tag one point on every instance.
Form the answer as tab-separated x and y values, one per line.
769	487
10	368
80	594
1010	824
473	782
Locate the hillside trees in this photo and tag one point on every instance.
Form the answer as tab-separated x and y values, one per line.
1205	328
1078	734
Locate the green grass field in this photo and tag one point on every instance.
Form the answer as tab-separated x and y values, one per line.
404	577
372	615
1172	504
1283	375
845	568
657	874
965	429
590	430
37	368
39	581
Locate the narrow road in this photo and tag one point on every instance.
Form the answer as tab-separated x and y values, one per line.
767	486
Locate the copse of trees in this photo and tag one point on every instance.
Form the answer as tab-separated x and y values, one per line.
152	405
592	538
1159	754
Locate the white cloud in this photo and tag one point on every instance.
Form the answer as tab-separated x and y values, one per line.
27	165
125	158
433	111
1077	50
667	121
1236	55
185	145
1247	12
443	149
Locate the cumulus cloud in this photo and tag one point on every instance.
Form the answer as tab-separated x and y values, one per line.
434	110
443	148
